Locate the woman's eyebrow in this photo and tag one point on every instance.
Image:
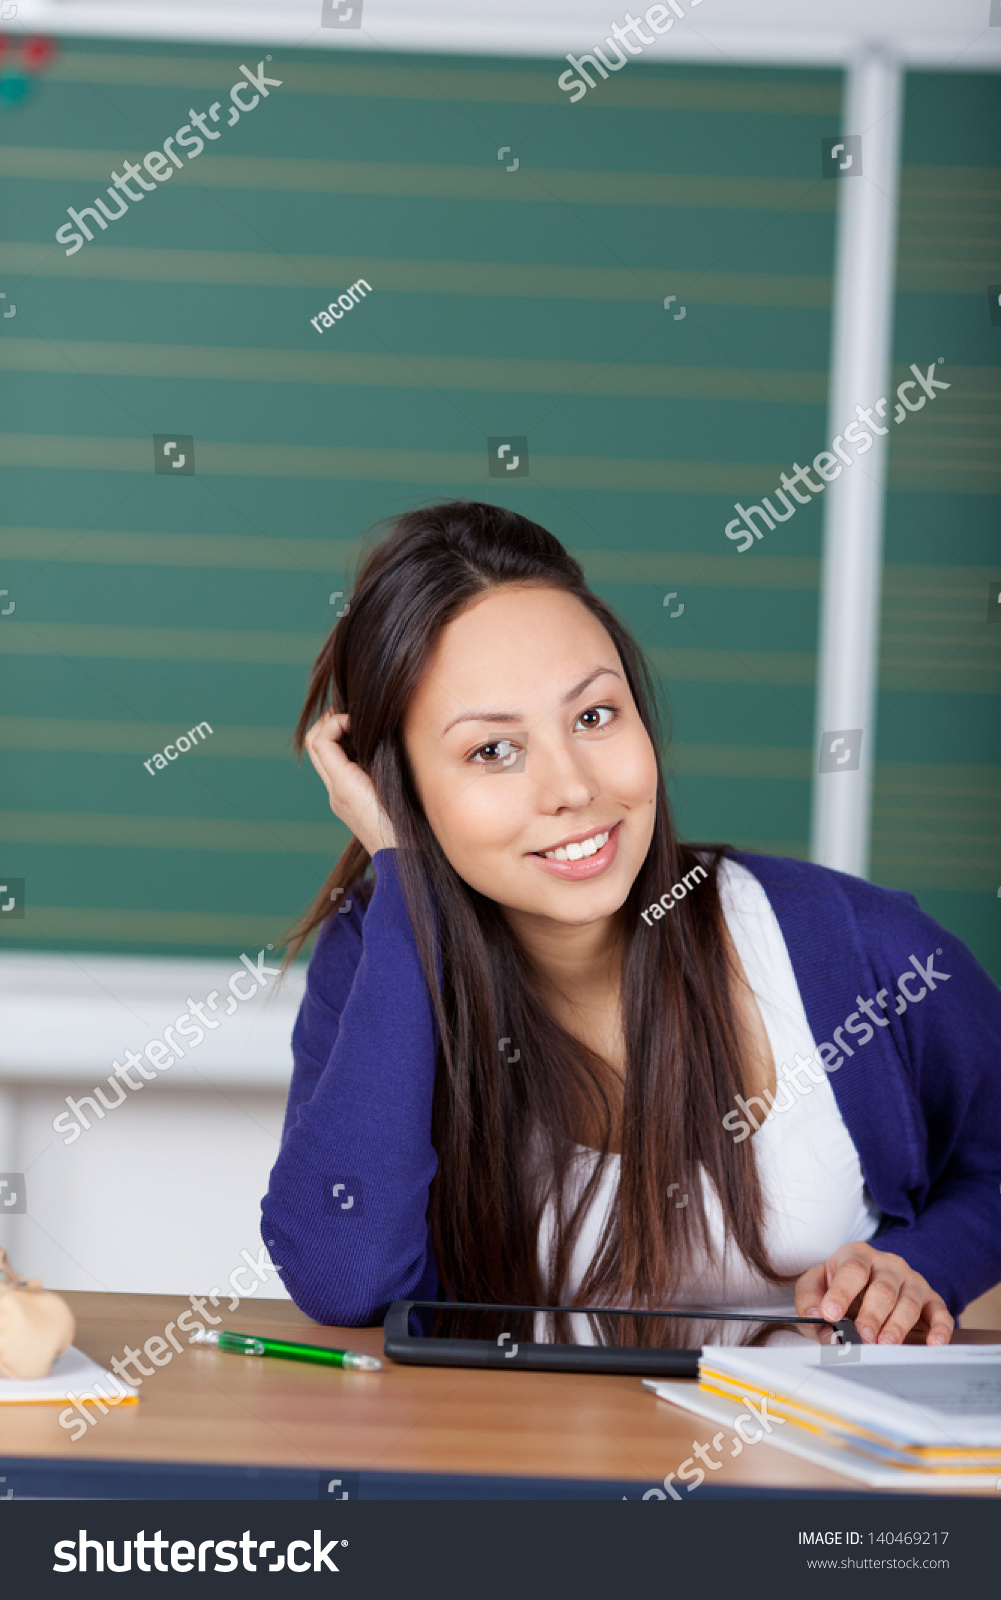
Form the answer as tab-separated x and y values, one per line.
519	716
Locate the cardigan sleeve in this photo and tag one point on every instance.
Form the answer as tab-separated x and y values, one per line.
345	1215
918	1085
951	1031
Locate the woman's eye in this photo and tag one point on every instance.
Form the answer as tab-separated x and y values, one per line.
500	755
609	712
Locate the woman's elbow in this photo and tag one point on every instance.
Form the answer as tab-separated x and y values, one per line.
342	1302
337	1309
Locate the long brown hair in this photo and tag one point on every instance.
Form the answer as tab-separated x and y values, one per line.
683	1057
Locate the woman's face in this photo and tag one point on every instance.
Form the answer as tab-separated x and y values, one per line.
523	737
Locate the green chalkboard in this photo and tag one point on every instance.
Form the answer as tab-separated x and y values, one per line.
518	251
937	807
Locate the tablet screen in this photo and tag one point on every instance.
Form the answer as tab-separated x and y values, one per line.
690	1330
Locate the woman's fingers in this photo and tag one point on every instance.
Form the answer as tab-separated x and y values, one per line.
913	1304
852	1266
326	731
810	1287
350	790
342	777
323	747
890	1307
939	1318
893	1298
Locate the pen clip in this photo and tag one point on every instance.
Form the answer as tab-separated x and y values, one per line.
242	1344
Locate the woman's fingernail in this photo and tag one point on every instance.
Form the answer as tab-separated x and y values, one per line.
888	1338
936	1338
868	1337
831	1310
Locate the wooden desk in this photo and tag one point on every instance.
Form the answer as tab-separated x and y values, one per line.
209	1408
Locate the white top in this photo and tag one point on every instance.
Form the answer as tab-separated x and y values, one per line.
811	1181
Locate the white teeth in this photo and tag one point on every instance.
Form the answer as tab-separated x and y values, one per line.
576	852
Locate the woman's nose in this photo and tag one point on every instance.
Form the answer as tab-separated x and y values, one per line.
561	773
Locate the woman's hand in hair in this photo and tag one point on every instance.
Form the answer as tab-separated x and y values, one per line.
352	794
889	1298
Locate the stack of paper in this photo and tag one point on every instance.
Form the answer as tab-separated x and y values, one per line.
891	1416
74	1376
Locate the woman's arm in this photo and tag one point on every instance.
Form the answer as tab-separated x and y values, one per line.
953	1056
921	1274
940	1245
359	1116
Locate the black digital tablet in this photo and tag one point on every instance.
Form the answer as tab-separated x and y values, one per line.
436	1333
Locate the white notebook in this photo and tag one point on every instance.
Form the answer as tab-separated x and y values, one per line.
820	1450
73	1377
946	1398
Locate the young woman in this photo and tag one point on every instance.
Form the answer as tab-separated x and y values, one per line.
547	1057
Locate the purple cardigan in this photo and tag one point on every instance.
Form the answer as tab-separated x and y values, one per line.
916	1073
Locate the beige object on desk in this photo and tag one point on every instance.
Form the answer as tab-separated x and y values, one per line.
36	1325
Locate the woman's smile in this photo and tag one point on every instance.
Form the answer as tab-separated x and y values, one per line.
582	856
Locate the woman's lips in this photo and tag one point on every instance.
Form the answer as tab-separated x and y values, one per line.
588	866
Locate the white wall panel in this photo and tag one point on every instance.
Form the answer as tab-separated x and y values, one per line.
163	1193
159	1198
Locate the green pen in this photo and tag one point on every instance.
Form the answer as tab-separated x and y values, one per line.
249	1344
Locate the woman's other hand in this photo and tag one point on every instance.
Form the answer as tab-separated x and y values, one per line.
352	794
891	1298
